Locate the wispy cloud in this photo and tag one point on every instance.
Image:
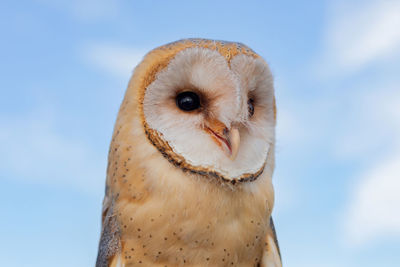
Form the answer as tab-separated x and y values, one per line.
372	211
360	33
36	152
86	10
114	59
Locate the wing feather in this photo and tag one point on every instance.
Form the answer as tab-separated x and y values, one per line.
272	254
109	244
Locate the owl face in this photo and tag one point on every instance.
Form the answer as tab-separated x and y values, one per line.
212	115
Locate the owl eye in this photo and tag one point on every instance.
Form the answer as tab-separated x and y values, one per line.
250	106
188	101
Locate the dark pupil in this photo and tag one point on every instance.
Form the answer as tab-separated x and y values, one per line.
188	101
250	104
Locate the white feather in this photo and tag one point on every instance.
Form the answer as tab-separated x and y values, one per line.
229	88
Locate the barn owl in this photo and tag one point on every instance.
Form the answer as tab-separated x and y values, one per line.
191	161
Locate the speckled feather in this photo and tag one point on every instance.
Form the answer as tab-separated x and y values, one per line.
160	214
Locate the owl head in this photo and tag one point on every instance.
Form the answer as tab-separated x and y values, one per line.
208	107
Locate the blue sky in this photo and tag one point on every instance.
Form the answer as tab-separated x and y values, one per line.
65	66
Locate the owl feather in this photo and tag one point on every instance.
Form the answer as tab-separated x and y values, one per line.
189	175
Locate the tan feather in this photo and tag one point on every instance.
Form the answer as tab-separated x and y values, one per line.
163	214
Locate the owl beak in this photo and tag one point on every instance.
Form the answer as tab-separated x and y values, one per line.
227	139
234	138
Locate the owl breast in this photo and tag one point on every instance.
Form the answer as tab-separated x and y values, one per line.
189	222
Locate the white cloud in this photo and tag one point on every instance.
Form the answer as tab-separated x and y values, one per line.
372	123
113	58
373	208
362	34
34	151
359	33
86	10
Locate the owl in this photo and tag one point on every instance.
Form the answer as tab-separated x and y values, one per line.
191	161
